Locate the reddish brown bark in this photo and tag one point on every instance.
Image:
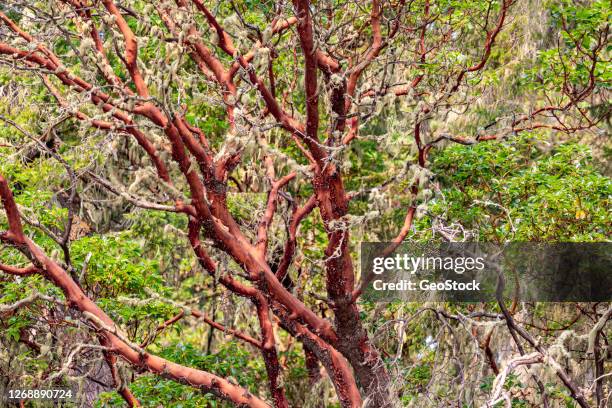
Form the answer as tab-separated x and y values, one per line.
78	300
344	349
220	327
121	388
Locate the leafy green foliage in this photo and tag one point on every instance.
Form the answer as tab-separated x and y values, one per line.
524	190
580	23
230	360
533	187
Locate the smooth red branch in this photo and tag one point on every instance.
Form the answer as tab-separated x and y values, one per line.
122	389
403	232
239	335
15	231
85	14
296	218
13	270
264	225
131	48
373	51
305	32
335	364
108	331
269	353
490	40
225	41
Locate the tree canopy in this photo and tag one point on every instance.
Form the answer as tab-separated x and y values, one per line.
185	186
